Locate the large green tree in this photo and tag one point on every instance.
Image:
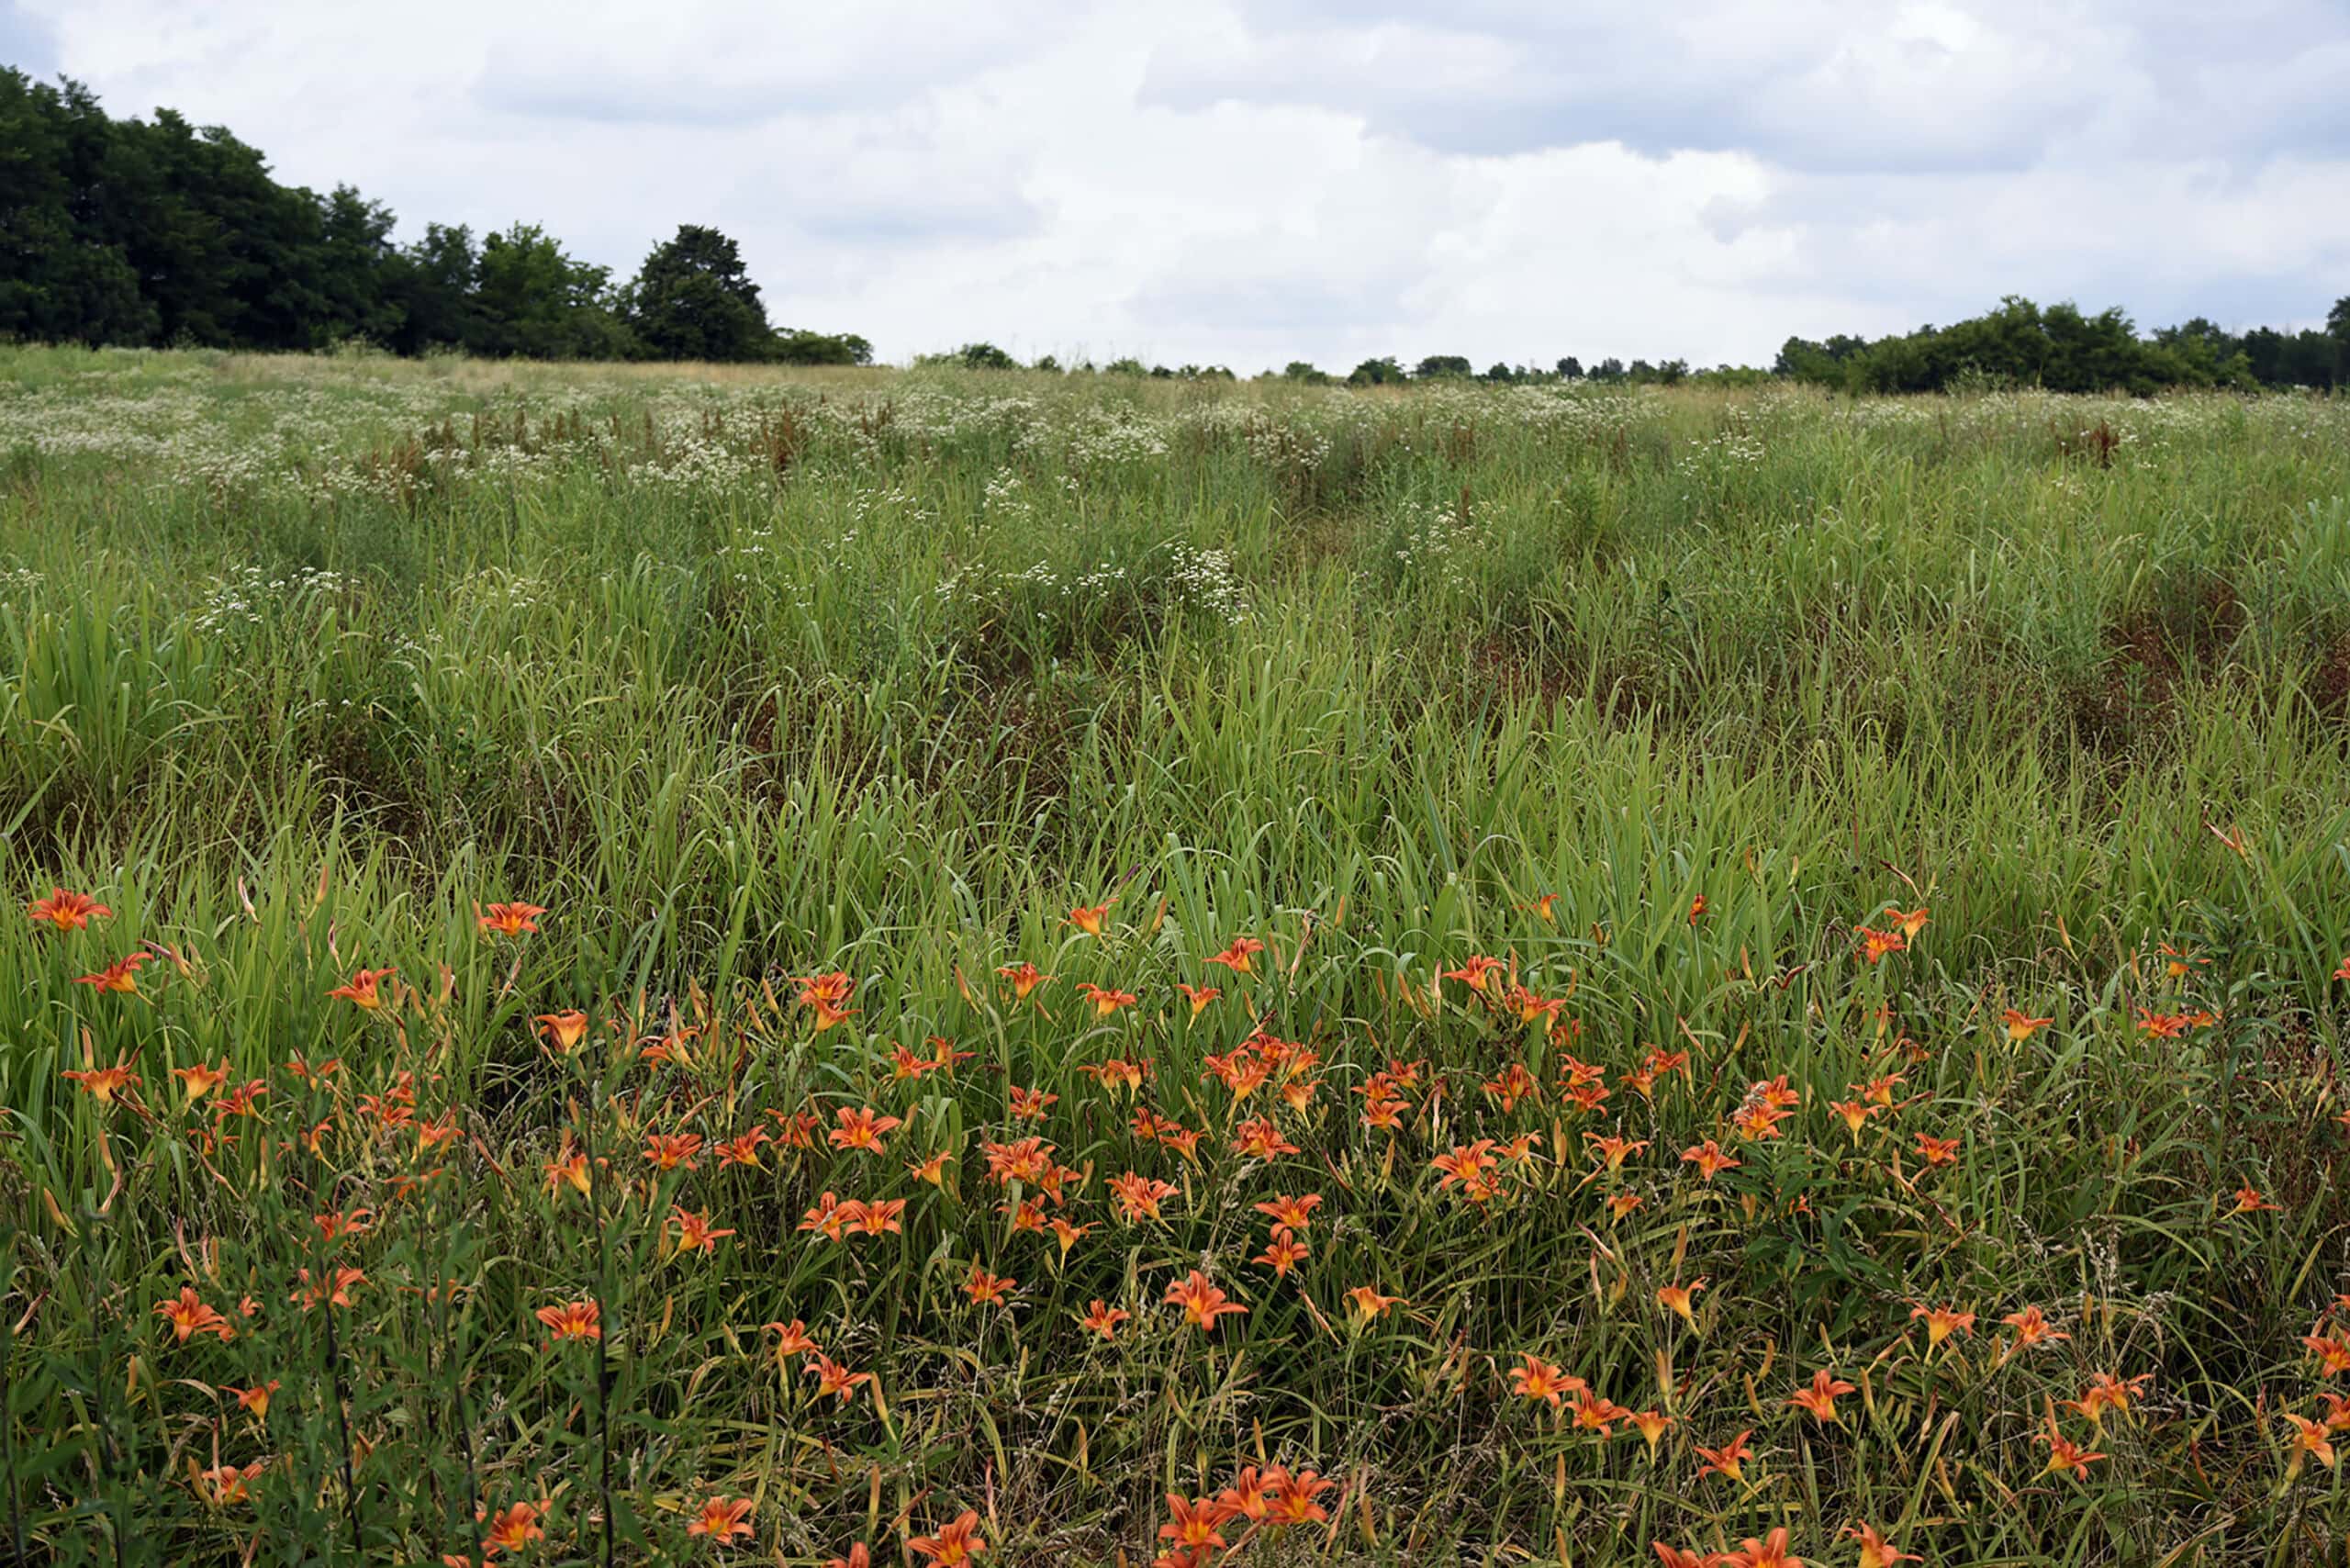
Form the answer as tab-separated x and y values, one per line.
694	299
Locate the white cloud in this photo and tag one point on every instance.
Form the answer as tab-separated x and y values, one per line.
1251	181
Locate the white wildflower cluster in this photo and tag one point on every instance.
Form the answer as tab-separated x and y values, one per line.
249	596
1434	545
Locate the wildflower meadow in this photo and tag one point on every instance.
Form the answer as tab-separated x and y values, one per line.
621	965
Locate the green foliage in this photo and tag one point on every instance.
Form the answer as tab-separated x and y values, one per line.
694	299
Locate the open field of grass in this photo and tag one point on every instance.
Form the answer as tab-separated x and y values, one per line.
812	708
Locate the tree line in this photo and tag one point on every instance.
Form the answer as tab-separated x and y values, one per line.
158	232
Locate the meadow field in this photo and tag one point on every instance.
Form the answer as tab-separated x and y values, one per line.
770	967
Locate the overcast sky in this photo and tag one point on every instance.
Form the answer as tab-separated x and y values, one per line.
1246	182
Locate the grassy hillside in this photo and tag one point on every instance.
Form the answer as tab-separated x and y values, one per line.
1663	702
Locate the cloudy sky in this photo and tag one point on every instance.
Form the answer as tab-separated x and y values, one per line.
1251	180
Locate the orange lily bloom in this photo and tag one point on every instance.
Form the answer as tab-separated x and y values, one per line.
1260	1139
254	1400
954	1544
189	1316
1652	1425
793	1340
932	1170
1937	1150
1236	958
694	1231
1672	1556
1819	1399
1025	978
2021	1026
1595	1414
514	1529
1197	995
2064	1454
744	1149
1106	1000
1101	1317
1282	1253
1679	1299
573	1320
1193	1527
1201	1302
1709	1160
2333	1352
1140	1195
199	1081
1941	1322
122	975
103	1083
511	919
1369	1303
563	1031
1875	944
225	1484
1728	1460
363	990
723	1519
2032	1327
1476	970
859	1556
1088	917
67	910
2249	1201
984	1288
832	1377
1295	1212
1875	1550
860	1129
1771	1552
2310	1438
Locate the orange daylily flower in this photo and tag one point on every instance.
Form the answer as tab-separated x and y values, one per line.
744	1149
509	919
1197	995
1237	957
1937	1150
832	1377
122	975
254	1400
224	1484
2032	1327
363	989
932	1169
1819	1399
860	1129
1709	1159
694	1231
1369	1303
514	1529
859	1556
1875	944
2310	1438
1875	1550
1728	1460
1941	1322
1088	917
573	1320
1106	1000
1672	1556
2249	1201
1025	977
824	995
199	1081
2064	1454
1771	1552
954	1544
1260	1139
1140	1195
103	1083
791	1339
1295	1212
66	909
2021	1026
189	1316
563	1031
723	1519
1283	1252
333	1288
2333	1352
1595	1414
986	1289
1101	1317
1652	1425
1476	970
1201	1302
1193	1527
1679	1299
